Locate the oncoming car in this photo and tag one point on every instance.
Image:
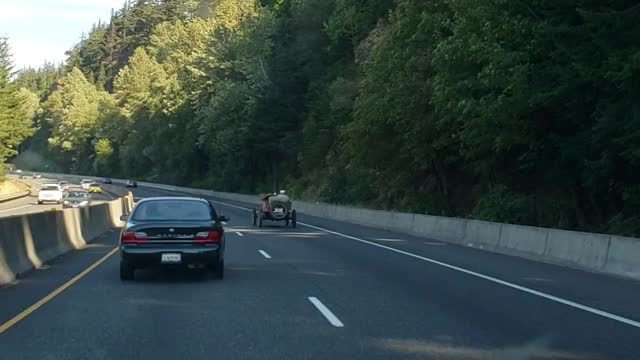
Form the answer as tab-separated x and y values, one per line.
85	183
64	185
76	198
172	231
95	188
50	193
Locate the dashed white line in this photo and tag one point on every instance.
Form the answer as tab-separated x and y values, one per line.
492	279
326	312
541	294
264	253
239	233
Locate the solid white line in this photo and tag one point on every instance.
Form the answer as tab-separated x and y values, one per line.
239	233
492	279
326	312
264	253
15	208
541	294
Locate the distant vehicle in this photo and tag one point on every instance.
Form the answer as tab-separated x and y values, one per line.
107	181
172	231
132	184
95	188
37	176
76	198
275	207
64	185
19	171
85	183
50	193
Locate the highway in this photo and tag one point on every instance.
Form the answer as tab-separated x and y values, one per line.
326	290
29	204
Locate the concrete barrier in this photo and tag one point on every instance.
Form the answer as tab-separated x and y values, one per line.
28	241
577	248
623	257
484	234
525	240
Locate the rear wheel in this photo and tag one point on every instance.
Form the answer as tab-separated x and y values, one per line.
254	217
219	269
294	222
260	221
126	271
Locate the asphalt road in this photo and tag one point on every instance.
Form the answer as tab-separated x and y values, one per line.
29	204
351	292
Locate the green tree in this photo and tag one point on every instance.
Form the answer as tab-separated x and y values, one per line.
16	108
73	110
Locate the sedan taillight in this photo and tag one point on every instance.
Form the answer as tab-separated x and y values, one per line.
207	236
133	237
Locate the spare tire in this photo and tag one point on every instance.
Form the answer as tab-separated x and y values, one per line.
279	210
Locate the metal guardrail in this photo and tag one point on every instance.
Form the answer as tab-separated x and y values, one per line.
14	196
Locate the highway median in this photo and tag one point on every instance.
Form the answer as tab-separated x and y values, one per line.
28	241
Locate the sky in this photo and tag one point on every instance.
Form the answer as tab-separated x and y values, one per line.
42	30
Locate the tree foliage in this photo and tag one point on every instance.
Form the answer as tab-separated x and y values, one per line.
17	106
513	111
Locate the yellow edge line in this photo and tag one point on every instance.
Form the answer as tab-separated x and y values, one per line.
4	327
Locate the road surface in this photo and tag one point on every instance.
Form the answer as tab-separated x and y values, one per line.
326	290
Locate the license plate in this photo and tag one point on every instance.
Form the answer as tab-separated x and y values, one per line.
171	258
278	210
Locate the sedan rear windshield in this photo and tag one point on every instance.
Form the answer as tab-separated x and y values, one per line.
50	188
178	210
78	194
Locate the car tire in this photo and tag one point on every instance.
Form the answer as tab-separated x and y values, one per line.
260	221
294	220
127	272
219	269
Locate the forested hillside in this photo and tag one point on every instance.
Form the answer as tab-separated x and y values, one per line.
524	111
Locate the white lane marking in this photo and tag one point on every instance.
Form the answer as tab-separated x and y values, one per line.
239	233
492	279
264	253
434	243
388	240
326	312
527	290
15	208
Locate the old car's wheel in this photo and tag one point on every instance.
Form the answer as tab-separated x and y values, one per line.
293	219
255	217
260	222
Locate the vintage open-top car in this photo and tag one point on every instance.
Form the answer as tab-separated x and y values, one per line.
275	207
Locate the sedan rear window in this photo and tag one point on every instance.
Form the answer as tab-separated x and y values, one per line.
180	210
50	188
78	194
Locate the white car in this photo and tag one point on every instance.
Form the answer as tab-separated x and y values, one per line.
85	183
50	193
64	185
